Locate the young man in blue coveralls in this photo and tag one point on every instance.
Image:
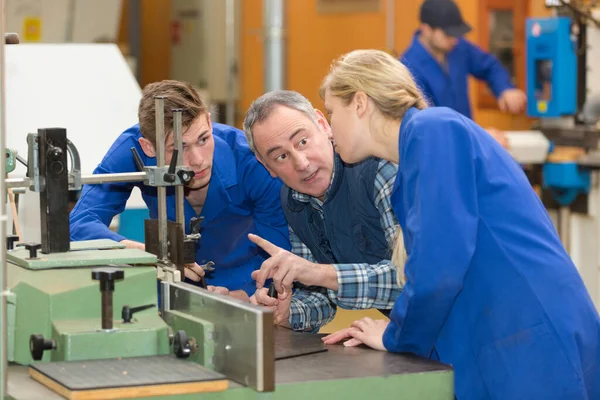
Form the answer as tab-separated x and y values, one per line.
230	189
441	60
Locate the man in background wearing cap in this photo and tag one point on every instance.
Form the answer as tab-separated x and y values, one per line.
441	62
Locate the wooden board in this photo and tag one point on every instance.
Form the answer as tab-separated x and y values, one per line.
127	378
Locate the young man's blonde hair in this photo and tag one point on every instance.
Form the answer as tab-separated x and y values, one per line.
380	76
181	95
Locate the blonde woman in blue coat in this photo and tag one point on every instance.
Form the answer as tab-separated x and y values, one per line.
488	288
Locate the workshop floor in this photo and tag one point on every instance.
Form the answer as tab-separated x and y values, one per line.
344	318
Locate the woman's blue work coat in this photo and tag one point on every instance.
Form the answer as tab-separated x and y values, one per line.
490	288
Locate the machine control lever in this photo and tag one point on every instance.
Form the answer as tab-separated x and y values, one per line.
107	277
138	160
169	176
37	346
127	312
10	241
33	249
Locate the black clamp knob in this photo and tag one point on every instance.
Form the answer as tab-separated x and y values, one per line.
37	346
185	176
181	345
33	249
10	241
107	277
54	153
127	312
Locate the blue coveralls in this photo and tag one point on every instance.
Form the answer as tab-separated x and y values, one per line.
490	288
449	86
242	198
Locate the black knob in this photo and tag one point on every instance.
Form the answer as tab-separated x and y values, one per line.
33	249
127	312
272	291
185	176
107	277
54	153
10	241
181	345
37	346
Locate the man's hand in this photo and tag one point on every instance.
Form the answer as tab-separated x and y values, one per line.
366	330
280	306
218	289
131	244
500	136
512	101
193	272
236	294
285	268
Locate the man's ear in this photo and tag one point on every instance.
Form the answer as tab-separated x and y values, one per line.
260	160
147	147
360	102
323	124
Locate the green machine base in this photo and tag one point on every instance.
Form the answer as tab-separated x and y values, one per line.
54	296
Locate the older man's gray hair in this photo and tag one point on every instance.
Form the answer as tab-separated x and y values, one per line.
263	107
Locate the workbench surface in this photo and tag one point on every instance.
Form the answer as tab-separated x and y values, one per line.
338	363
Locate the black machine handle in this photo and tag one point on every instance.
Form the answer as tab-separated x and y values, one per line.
169	176
138	160
127	312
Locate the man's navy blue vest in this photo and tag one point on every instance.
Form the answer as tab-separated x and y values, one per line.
350	230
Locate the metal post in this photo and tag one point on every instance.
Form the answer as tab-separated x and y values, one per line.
230	60
159	105
3	326
273	17
179	189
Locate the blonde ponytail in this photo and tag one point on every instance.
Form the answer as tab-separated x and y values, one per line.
378	74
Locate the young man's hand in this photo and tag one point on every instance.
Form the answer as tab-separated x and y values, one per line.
236	294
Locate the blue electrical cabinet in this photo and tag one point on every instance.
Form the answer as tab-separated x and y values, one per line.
551	67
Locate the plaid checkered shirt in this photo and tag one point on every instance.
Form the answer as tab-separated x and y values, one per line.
361	285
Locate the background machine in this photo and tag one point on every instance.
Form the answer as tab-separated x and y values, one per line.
562	154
